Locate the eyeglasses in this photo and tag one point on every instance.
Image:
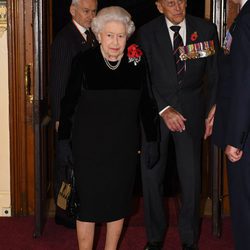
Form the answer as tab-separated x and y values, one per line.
170	3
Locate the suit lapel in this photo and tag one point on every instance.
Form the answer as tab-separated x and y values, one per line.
77	34
80	39
190	29
165	48
244	9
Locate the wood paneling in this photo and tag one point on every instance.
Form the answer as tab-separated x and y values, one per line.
20	45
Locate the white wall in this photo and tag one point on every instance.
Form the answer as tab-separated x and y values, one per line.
4	129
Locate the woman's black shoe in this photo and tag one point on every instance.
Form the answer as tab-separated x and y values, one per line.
156	245
189	247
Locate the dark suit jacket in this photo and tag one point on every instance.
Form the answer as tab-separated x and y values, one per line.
189	98
66	45
232	118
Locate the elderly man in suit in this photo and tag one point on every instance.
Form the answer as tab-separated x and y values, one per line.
232	121
184	82
73	38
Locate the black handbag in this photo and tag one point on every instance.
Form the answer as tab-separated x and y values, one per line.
67	196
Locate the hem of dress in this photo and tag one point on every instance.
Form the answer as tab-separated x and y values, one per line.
102	220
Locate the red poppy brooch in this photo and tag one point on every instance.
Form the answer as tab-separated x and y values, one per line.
134	54
194	36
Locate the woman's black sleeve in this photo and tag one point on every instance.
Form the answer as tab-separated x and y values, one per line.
70	99
148	109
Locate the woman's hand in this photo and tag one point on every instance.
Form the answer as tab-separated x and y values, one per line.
64	152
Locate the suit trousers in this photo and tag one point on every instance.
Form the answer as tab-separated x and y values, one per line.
239	191
188	159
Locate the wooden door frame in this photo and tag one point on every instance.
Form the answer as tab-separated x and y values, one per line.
21	171
42	124
27	99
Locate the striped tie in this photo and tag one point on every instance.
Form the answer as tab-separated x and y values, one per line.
89	37
180	65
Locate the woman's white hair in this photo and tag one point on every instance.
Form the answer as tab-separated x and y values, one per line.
109	14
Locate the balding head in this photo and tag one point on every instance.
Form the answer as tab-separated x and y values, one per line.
83	11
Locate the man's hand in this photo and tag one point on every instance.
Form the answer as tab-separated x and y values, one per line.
174	120
209	122
233	154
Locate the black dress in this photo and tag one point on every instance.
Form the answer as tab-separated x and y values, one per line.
108	106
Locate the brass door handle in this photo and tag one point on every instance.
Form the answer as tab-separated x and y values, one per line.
28	83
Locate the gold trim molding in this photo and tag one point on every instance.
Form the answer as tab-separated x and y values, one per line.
3	17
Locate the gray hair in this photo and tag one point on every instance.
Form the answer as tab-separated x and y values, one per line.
112	13
74	2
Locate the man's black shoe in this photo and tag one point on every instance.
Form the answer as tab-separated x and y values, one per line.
66	221
156	245
189	247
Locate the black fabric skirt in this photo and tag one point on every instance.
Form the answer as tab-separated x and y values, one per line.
105	143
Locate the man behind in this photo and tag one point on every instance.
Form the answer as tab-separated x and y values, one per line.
73	38
232	121
186	111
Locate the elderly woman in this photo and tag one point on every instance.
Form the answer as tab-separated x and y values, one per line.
108	93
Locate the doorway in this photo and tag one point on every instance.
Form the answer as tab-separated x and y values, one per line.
137	8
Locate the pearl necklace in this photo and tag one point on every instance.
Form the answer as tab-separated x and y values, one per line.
110	66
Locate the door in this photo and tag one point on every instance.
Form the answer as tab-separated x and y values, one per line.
41	123
31	143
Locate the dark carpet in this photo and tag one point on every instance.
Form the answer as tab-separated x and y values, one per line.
16	234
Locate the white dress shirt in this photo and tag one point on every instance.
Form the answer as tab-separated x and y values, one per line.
81	29
182	32
243	3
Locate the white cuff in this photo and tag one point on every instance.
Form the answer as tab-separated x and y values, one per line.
160	113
